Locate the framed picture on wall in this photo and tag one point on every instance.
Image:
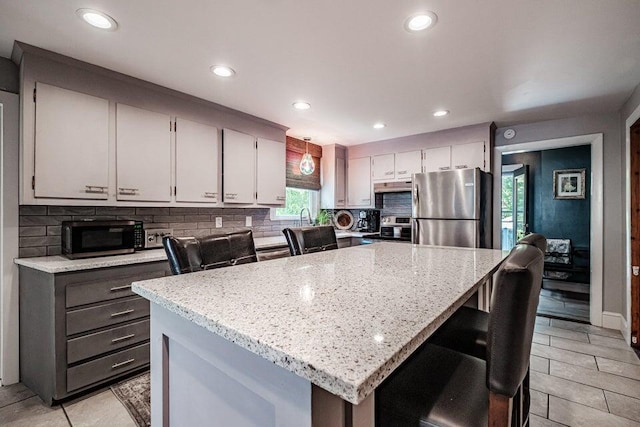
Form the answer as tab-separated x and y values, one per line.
569	183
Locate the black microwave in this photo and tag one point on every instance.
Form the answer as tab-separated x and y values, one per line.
85	239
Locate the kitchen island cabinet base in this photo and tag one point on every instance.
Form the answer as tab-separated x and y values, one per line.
199	378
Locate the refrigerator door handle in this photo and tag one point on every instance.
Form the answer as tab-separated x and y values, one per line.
416	194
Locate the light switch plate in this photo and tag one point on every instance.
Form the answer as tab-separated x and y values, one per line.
247	221
218	222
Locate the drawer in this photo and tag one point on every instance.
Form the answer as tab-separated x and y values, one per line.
86	319
103	342
107	289
100	369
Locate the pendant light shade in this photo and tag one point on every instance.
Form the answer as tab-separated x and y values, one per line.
307	165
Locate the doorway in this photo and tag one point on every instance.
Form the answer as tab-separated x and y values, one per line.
541	203
596	211
634	141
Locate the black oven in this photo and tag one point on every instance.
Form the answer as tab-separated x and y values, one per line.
84	239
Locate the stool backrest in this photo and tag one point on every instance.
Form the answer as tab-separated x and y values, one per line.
535	239
304	240
189	254
514	302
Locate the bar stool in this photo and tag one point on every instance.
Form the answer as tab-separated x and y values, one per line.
466	330
190	254
438	386
305	240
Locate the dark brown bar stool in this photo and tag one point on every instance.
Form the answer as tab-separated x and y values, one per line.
466	330
439	386
189	254
305	240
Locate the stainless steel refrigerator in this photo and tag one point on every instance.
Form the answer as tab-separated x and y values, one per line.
452	208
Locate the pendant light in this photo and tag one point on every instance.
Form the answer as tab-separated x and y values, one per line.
307	165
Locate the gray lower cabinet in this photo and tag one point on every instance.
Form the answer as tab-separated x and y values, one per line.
82	329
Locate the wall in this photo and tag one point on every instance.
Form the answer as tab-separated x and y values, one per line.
609	125
567	219
9	76
40	225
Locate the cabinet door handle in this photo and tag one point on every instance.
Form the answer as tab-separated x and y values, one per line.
119	364
281	197
402	172
122	313
340	200
210	195
95	189
389	173
120	288
461	166
229	196
365	200
126	337
128	191
444	168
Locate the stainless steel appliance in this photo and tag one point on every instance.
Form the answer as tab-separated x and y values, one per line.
153	237
396	228
369	221
84	239
452	208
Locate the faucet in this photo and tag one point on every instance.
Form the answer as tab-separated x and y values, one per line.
308	216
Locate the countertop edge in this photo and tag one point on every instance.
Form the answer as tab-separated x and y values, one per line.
274	355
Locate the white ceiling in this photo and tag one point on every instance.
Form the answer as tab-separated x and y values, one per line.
509	61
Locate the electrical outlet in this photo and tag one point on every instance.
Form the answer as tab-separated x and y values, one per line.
218	222
247	221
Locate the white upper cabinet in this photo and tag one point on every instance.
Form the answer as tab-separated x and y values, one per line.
437	159
467	156
239	167
407	164
332	176
197	157
143	155
359	182
383	167
71	144
271	172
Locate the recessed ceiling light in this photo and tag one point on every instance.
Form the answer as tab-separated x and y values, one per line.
97	19
440	113
222	71
379	126
301	105
420	21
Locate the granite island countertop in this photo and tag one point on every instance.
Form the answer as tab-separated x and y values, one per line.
344	320
61	264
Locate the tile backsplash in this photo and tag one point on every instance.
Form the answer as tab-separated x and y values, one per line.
40	225
396	204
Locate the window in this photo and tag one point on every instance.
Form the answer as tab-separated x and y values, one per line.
297	199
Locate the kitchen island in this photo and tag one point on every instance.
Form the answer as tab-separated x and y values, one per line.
300	340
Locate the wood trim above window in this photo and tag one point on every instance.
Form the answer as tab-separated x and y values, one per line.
295	149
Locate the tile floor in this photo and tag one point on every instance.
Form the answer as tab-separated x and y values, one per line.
581	375
563	304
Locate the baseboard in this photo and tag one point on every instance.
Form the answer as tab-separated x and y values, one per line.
615	321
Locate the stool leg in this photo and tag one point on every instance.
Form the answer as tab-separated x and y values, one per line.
499	410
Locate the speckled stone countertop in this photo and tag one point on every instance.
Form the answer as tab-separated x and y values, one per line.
61	264
342	319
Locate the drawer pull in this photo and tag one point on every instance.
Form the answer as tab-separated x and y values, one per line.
126	337
119	364
210	195
461	166
120	288
402	172
444	168
389	173
122	313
